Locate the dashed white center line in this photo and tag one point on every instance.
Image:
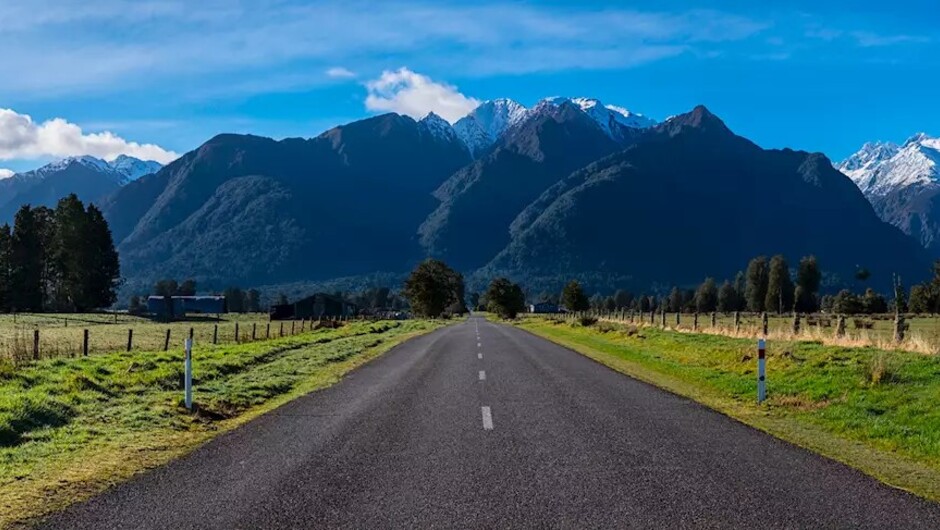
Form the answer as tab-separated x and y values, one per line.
487	419
479	356
479	345
482	375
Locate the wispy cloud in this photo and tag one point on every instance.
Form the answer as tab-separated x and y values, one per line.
338	72
59	47
415	95
6	173
868	39
23	138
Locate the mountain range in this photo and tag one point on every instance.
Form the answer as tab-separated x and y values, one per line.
90	178
903	184
568	188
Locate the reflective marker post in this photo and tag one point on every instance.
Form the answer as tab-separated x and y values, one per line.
189	374
761	372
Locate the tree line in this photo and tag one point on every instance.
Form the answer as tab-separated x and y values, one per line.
60	259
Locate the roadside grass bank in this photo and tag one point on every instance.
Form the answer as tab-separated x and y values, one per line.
70	428
874	410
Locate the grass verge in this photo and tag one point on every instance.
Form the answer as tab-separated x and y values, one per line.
874	410
70	428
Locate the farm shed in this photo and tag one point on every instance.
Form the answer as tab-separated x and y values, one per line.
180	305
314	306
543	307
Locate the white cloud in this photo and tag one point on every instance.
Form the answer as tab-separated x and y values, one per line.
338	72
6	173
22	138
415	95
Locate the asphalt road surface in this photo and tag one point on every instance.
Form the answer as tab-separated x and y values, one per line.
480	425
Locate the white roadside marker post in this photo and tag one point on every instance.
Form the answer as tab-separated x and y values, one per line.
761	372
189	374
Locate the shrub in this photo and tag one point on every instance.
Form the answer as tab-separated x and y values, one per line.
587	321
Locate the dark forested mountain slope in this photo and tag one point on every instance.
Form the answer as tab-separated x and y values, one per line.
246	209
478	203
691	199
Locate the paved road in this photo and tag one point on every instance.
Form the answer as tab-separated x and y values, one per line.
485	426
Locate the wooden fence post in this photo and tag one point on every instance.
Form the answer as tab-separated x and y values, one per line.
662	318
166	341
678	318
36	344
215	334
737	321
714	319
898	327
236	333
840	326
85	343
764	322
267	332
191	332
254	330
282	329
292	322
130	339
695	321
796	323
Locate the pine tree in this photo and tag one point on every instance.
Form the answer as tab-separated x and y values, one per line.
706	297
779	297
755	292
808	279
674	304
103	268
70	256
740	289
573	297
727	298
6	250
27	262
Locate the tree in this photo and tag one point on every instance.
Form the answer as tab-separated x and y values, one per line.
573	297
135	307
475	301
740	288
674	302
597	301
779	297
254	301
622	299
104	268
165	288
808	279
920	300
433	287
235	300
727	298
847	302
187	288
706	296
755	292
6	250
27	261
505	298
874	303
69	260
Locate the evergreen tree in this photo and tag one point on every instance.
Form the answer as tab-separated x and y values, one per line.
779	297
920	301
573	297
6	251
755	292
727	298
104	269
847	302
235	300
808	279
69	257
874	303
187	288
740	290
27	261
706	297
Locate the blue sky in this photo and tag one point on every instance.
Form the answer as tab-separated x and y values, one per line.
155	78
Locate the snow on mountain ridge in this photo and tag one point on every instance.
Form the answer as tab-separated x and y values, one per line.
123	168
486	124
880	168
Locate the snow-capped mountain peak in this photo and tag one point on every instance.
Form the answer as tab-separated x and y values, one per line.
134	168
437	126
122	169
880	168
488	122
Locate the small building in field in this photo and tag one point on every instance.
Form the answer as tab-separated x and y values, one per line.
177	306
319	305
543	307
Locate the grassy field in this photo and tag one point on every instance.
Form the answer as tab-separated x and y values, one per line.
922	334
62	335
875	410
71	427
